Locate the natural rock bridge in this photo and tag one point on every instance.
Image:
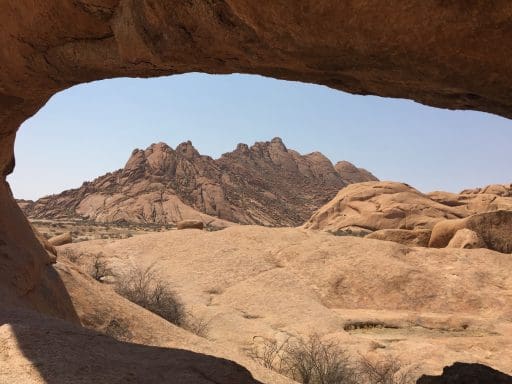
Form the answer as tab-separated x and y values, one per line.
448	54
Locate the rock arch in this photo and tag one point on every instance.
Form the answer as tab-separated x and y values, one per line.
448	54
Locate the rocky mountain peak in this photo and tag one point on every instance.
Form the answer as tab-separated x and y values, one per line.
187	150
266	184
242	148
352	174
136	161
277	143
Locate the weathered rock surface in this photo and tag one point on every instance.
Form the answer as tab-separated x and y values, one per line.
264	184
444	54
494	228
380	205
50	248
413	238
401	51
62	239
429	307
400	213
190	224
493	197
40	350
467	239
350	174
443	232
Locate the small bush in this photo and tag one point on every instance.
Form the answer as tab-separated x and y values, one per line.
269	353
349	232
119	330
197	325
307	360
143	287
214	291
99	268
316	361
385	371
313	360
70	255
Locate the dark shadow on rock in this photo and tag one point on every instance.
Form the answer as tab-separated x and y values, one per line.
467	373
63	353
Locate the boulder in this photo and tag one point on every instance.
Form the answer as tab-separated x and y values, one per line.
190	224
376	205
412	238
494	228
467	373
62	239
466	238
469	202
443	232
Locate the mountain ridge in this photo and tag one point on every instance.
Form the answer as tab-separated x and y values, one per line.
265	184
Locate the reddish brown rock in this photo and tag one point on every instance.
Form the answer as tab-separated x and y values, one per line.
400	213
412	238
467	239
478	200
351	174
494	229
44	242
380	205
190	224
439	53
266	184
62	239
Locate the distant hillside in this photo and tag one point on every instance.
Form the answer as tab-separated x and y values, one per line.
265	184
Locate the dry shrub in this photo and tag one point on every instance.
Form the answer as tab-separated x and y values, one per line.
99	269
119	330
316	361
144	287
269	352
388	370
308	360
313	360
70	254
197	325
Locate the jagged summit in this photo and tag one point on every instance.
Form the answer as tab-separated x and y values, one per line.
266	184
352	174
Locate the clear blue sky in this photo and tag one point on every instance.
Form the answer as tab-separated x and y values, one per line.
90	129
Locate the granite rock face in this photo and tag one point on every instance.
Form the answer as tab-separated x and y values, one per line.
445	54
377	205
352	174
266	184
478	218
493	229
